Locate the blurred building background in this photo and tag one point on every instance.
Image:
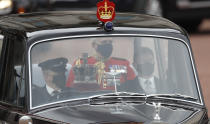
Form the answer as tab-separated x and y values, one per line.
187	13
193	15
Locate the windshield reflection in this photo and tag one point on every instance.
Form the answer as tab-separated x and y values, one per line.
81	68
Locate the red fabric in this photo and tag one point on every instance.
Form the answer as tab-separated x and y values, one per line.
112	61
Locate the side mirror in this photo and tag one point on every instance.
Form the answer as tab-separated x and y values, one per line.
25	120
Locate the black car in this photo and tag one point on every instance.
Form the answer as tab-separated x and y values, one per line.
64	67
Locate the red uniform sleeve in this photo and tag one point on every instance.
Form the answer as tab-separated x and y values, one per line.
130	72
71	76
130	75
70	79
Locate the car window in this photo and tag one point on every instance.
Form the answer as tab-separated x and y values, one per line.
91	66
13	82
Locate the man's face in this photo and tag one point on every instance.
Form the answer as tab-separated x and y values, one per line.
49	78
145	65
104	48
145	58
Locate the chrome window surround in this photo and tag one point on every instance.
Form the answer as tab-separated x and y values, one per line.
107	35
184	4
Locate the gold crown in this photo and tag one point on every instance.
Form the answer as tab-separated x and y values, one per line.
105	11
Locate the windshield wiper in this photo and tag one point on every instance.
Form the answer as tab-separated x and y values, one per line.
175	96
118	97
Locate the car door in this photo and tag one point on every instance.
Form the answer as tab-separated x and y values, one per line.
11	79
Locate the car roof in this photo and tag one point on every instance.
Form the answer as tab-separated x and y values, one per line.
31	22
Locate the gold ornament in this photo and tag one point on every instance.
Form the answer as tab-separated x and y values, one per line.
100	70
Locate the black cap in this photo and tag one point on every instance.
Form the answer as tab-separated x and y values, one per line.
56	65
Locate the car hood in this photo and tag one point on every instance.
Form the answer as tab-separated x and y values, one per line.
113	113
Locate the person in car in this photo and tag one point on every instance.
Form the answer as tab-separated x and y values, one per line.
104	68
144	63
54	75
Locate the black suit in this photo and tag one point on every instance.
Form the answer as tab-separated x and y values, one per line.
160	85
40	96
131	86
134	86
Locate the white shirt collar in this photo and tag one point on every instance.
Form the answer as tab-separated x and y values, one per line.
143	85
49	90
151	79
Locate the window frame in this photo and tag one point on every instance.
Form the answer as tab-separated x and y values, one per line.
9	41
112	35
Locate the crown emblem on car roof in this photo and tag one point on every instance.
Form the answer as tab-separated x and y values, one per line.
105	11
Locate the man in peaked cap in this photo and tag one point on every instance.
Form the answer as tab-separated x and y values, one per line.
54	75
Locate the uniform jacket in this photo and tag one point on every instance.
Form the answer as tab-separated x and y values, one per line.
112	63
41	96
134	86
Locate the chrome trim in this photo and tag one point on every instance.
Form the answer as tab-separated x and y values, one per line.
25	120
77	30
86	98
187	119
184	4
106	35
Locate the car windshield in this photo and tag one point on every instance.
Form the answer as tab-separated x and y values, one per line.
69	69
